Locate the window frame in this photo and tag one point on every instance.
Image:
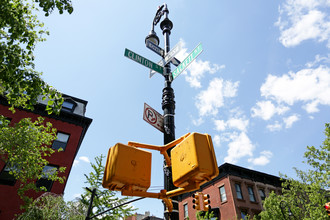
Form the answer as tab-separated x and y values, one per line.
239	192
252	196
44	181
68	109
264	194
5	177
223	194
60	143
185	211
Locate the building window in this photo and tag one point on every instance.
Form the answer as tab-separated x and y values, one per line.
223	195
262	194
251	194
238	191
69	105
185	210
5	177
45	180
61	141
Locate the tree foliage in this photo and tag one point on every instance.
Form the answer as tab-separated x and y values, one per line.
20	31
53	207
24	148
105	198
304	198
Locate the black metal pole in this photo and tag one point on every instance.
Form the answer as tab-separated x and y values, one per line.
168	106
90	203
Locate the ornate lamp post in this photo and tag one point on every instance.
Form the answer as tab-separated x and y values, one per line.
168	103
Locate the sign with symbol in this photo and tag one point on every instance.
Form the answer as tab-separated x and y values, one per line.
169	57
154	118
176	49
144	61
187	61
155	48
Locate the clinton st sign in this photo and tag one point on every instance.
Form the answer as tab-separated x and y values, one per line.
144	61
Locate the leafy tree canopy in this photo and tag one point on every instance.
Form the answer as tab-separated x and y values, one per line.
20	31
53	207
304	198
23	147
105	198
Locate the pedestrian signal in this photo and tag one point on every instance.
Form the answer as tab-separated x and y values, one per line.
127	167
194	161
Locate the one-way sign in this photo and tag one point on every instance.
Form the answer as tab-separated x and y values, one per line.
155	48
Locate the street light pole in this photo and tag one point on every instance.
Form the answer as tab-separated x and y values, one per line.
168	103
168	106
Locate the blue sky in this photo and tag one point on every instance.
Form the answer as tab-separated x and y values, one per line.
260	88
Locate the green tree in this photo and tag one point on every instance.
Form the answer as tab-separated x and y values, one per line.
53	207
23	147
104	199
20	31
303	198
205	215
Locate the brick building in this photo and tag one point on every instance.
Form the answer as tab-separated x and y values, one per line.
71	125
236	192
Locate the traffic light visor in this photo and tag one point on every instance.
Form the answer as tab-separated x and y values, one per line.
194	161
127	167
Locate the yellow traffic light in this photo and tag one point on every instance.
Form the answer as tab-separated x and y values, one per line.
195	201
206	202
193	161
127	167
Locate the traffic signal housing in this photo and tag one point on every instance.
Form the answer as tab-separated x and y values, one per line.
196	201
193	161
327	208
127	167
206	202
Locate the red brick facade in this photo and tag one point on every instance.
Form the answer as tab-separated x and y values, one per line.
69	123
252	185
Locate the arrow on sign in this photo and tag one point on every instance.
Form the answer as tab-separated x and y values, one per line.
144	61
187	61
169	57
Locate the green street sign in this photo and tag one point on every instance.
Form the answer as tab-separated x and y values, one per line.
144	61
188	60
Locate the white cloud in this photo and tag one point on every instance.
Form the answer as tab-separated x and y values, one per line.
262	160
84	159
216	140
318	59
220	125
75	163
198	122
232	123
210	100
290	120
310	86
274	127
239	147
266	110
301	20
197	69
